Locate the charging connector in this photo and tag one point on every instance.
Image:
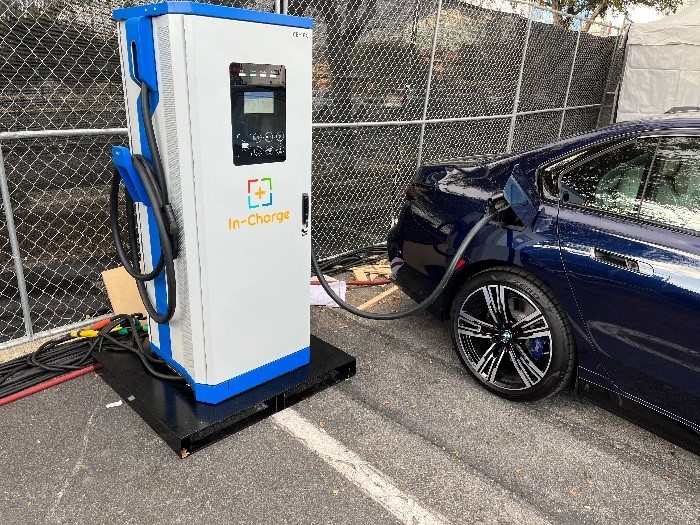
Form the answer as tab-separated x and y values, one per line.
497	204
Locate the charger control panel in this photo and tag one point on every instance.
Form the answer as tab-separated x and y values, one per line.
258	113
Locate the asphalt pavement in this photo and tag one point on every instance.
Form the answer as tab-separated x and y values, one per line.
410	439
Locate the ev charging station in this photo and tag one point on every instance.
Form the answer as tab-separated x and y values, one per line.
229	96
218	181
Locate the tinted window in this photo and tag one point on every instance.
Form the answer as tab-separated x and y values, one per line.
672	195
550	174
611	181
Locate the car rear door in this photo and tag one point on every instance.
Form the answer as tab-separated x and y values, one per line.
629	240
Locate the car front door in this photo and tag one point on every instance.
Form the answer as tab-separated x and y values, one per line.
629	220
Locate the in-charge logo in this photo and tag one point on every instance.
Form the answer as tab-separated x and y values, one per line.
259	195
259	192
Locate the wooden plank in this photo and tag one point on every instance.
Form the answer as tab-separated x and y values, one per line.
359	274
377	269
378	298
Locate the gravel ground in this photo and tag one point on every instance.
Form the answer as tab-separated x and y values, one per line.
411	419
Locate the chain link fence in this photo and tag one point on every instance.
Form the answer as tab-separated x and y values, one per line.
395	83
398	83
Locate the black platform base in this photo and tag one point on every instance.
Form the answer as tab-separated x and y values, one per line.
187	425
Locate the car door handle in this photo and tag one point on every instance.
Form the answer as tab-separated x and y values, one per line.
621	261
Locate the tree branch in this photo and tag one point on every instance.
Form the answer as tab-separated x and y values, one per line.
600	9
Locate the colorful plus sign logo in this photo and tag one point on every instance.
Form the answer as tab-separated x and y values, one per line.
259	192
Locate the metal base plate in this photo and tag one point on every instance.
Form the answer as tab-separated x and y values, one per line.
187	425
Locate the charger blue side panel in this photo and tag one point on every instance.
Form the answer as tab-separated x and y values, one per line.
141	53
160	287
215	11
142	68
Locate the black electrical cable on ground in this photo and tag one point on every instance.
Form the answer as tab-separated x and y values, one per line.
66	354
156	190
107	341
424	303
346	261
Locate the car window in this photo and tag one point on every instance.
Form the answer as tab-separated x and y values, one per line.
549	175
611	181
672	195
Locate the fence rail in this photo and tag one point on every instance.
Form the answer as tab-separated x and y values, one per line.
396	83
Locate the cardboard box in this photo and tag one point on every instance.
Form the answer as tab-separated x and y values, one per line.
123	294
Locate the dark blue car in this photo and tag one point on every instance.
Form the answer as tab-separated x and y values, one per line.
601	288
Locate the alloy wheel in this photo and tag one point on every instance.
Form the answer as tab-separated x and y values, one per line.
504	337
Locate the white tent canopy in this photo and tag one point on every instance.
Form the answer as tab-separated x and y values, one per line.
662	66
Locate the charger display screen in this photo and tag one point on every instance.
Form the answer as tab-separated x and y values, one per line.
258	113
258	102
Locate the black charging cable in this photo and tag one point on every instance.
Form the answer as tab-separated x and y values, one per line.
153	180
496	205
69	353
106	340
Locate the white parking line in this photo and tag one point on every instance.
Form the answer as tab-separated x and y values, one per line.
375	484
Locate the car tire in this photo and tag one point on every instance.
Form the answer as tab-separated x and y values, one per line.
512	335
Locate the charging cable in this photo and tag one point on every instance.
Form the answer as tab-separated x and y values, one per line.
155	185
497	204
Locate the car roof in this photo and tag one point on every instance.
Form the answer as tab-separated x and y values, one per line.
667	121
677	118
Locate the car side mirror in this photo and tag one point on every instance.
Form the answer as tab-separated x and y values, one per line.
523	197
